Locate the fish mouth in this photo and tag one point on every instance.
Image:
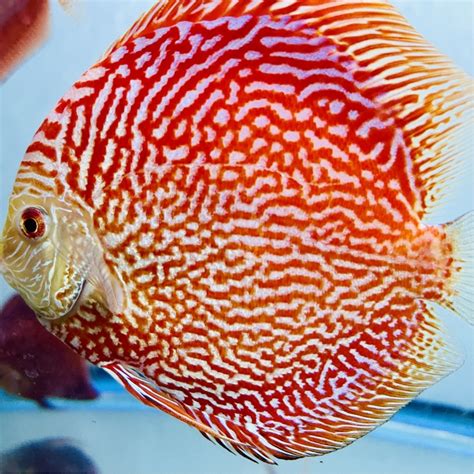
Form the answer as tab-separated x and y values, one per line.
75	303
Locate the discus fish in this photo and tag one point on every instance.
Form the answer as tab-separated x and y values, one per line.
36	365
229	213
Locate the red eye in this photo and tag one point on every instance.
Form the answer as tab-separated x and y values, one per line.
33	223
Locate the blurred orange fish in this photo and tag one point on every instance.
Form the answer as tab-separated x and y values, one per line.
36	365
229	213
24	26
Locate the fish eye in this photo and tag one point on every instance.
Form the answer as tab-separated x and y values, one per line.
33	222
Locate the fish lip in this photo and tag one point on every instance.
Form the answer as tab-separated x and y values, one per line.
75	304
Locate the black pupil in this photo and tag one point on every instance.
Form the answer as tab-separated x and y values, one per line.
30	225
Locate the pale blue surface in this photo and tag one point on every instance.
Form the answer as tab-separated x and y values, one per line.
137	441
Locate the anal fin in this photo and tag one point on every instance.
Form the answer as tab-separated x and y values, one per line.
148	393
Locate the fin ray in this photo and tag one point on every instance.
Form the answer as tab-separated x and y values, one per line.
460	290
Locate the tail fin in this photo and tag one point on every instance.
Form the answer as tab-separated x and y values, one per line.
460	296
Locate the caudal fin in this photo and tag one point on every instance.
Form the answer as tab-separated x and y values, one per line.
460	289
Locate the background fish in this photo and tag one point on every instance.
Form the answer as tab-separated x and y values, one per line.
51	455
24	26
36	365
230	205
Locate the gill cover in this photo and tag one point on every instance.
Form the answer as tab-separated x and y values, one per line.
51	256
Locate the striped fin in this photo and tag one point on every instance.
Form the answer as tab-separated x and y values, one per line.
431	98
149	394
223	432
460	287
143	389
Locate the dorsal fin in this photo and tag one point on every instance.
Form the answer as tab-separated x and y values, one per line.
429	96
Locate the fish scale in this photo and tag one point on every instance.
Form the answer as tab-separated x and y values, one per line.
258	197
